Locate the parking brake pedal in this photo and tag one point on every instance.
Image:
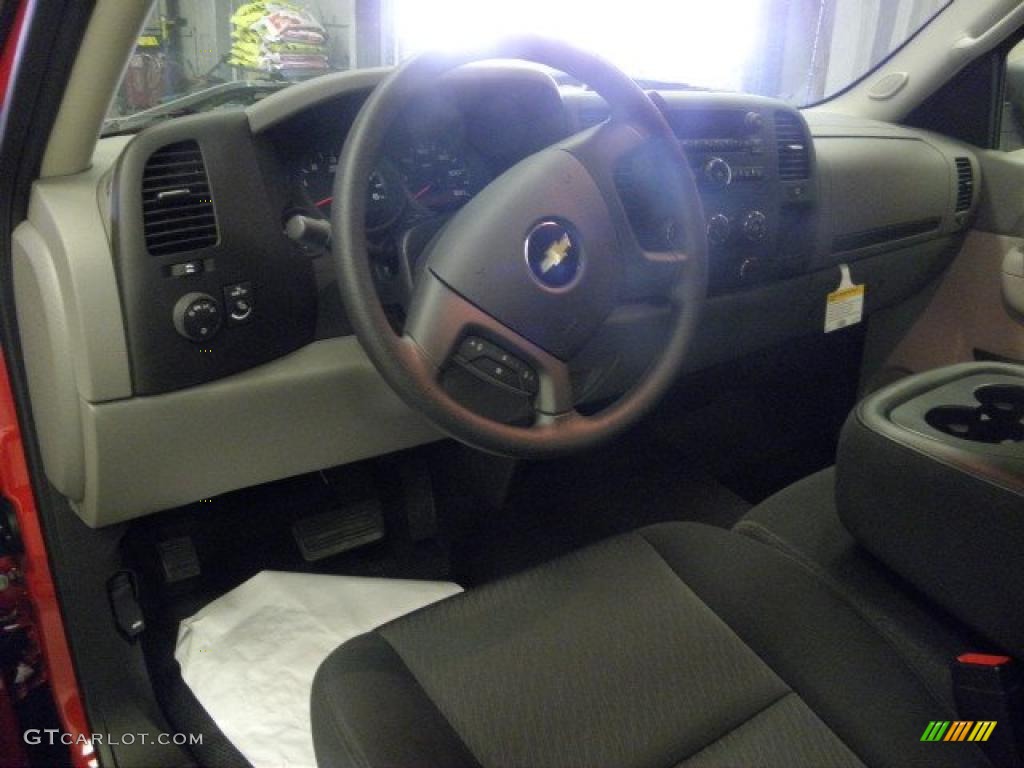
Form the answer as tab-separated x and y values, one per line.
339	530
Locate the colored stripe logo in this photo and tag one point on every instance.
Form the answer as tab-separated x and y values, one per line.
958	730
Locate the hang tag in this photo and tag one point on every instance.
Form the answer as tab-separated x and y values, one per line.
845	305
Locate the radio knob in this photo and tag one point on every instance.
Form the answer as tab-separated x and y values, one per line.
717	172
750	268
754	121
755	226
197	317
719	229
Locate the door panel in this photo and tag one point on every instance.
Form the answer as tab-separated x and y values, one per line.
966	312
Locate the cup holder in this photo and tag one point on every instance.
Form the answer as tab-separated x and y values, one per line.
998	417
1003	401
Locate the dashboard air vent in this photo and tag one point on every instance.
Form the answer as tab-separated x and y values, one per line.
964	184
792	143
177	209
638	181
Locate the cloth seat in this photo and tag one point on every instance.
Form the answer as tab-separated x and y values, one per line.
676	645
802	522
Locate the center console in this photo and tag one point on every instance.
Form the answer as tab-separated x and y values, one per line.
930	479
756	170
753	161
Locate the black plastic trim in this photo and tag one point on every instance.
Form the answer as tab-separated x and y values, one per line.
881	235
252	248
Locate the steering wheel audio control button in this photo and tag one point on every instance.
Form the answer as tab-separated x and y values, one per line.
472	348
501	373
496	364
198	317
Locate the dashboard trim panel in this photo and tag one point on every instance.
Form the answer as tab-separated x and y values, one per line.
323	403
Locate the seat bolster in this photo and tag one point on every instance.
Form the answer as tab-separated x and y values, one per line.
368	710
827	653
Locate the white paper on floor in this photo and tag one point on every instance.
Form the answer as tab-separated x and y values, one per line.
250	656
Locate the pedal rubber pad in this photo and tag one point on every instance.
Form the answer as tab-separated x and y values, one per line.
178	559
339	530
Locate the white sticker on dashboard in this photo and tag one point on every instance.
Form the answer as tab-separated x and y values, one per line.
845	305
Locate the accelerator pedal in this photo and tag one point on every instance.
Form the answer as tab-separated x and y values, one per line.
339	530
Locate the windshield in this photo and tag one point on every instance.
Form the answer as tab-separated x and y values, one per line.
194	56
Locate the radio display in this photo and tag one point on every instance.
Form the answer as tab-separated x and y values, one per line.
708	124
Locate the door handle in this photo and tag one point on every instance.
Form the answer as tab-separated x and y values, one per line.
1013	282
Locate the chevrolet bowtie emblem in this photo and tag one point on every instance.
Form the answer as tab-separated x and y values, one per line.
555	254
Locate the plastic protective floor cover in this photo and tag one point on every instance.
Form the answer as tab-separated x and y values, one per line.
250	656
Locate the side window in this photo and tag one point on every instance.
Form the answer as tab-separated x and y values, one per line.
1011	130
983	104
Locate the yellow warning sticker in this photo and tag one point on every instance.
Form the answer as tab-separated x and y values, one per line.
845	305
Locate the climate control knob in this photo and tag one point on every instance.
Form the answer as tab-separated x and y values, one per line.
198	317
717	172
719	229
755	226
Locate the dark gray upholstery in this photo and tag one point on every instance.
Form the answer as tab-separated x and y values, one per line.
801	521
680	644
391	721
766	741
948	520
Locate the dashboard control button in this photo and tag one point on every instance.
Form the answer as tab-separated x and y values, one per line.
755	226
748	173
750	268
717	172
241	310
238	302
187	268
719	229
796	191
753	121
198	317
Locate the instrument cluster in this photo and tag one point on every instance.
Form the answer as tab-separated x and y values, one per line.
420	174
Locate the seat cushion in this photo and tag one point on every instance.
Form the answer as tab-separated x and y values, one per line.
680	644
802	522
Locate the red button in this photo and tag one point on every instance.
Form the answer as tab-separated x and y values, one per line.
983	659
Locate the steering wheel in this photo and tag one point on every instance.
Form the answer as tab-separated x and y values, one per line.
531	267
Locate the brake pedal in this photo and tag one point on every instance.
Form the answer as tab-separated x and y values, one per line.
339	530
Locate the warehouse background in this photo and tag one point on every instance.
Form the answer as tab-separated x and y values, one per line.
186	44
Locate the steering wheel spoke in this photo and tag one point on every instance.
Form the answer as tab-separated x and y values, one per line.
555	398
446	328
633	169
603	148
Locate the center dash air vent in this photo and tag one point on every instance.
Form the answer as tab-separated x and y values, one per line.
964	184
792	143
638	181
177	209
